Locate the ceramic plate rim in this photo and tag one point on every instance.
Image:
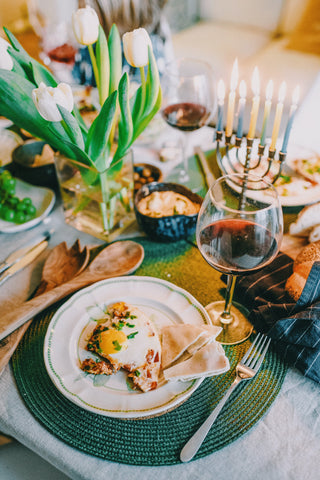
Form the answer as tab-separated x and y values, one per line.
55	376
46	195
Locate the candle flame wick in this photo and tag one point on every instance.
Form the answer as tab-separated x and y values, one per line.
296	95
282	92
255	82
269	90
221	90
242	89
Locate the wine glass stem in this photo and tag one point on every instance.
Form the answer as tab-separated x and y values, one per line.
185	149
226	316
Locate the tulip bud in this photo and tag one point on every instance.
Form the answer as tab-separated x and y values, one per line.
6	61
135	47
85	22
46	100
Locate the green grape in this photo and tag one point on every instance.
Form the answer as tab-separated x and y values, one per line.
19	217
13	209
8	214
27	201
30	210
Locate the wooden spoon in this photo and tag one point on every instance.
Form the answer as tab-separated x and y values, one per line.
119	258
62	265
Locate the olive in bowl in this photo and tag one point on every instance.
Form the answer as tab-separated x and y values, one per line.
146	173
167	212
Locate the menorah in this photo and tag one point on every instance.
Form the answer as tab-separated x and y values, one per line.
267	161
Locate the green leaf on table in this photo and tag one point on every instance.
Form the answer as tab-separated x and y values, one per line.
97	141
115	56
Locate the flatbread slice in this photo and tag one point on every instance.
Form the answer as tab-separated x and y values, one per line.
208	361
181	338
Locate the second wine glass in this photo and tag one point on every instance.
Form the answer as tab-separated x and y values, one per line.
188	100
239	231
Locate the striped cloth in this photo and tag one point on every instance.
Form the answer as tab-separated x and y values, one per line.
294	327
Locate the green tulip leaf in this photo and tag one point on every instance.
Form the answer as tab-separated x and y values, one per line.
102	56
125	124
135	102
28	63
97	141
115	56
71	126
17	68
140	126
152	84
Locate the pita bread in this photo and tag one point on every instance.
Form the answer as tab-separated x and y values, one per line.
181	339
210	360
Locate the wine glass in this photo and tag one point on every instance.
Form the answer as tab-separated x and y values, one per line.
239	231
188	100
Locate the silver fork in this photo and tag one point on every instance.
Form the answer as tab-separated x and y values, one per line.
245	370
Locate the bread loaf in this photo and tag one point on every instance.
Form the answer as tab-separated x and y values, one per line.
307	220
301	269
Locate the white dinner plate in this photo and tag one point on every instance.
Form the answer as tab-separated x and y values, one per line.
296	191
42	198
73	323
8	142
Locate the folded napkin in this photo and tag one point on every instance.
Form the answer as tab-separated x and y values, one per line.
294	327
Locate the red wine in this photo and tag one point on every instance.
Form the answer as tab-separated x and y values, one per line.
237	246
186	116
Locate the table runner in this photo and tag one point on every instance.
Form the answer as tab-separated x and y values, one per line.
155	441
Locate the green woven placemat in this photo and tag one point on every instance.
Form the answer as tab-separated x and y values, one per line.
155	441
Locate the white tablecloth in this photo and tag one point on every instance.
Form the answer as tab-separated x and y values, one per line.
284	445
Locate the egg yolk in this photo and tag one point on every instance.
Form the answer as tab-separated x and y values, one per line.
112	341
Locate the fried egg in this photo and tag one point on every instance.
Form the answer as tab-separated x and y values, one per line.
129	340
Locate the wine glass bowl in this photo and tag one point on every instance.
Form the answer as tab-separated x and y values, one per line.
188	99
239	231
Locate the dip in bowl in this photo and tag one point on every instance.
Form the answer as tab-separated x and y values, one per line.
167	212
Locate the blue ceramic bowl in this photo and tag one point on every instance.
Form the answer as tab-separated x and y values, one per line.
22	166
171	228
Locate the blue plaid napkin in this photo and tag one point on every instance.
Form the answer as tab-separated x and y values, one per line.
294	327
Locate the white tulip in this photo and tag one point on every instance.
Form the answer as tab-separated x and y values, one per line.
135	47
46	100
85	22
6	61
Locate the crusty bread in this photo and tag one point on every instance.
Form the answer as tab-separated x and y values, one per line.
315	234
308	218
301	269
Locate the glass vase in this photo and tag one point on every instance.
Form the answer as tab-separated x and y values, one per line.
98	203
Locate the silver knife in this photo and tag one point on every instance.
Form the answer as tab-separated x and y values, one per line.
210	178
24	261
18	254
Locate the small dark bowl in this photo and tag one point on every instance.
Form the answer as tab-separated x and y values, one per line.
171	228
22	166
146	173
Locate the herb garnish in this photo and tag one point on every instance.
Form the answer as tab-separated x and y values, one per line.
132	335
117	345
